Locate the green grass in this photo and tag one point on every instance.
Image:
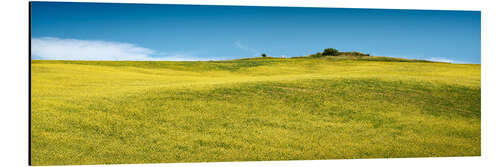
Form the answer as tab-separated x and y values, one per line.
103	112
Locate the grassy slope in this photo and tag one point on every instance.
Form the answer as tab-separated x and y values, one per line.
254	109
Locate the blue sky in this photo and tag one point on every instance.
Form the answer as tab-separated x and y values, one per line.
104	31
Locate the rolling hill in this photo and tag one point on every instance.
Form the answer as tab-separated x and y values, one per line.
102	112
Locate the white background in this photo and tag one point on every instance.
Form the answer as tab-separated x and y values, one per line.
14	80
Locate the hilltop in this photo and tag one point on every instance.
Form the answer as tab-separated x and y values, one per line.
342	57
334	54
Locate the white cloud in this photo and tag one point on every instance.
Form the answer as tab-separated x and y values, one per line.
420	57
49	48
445	60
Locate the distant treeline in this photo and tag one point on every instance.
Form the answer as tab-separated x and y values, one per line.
335	52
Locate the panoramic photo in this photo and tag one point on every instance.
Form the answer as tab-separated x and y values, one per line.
117	83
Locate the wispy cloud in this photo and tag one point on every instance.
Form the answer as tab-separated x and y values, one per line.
49	48
246	48
445	60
